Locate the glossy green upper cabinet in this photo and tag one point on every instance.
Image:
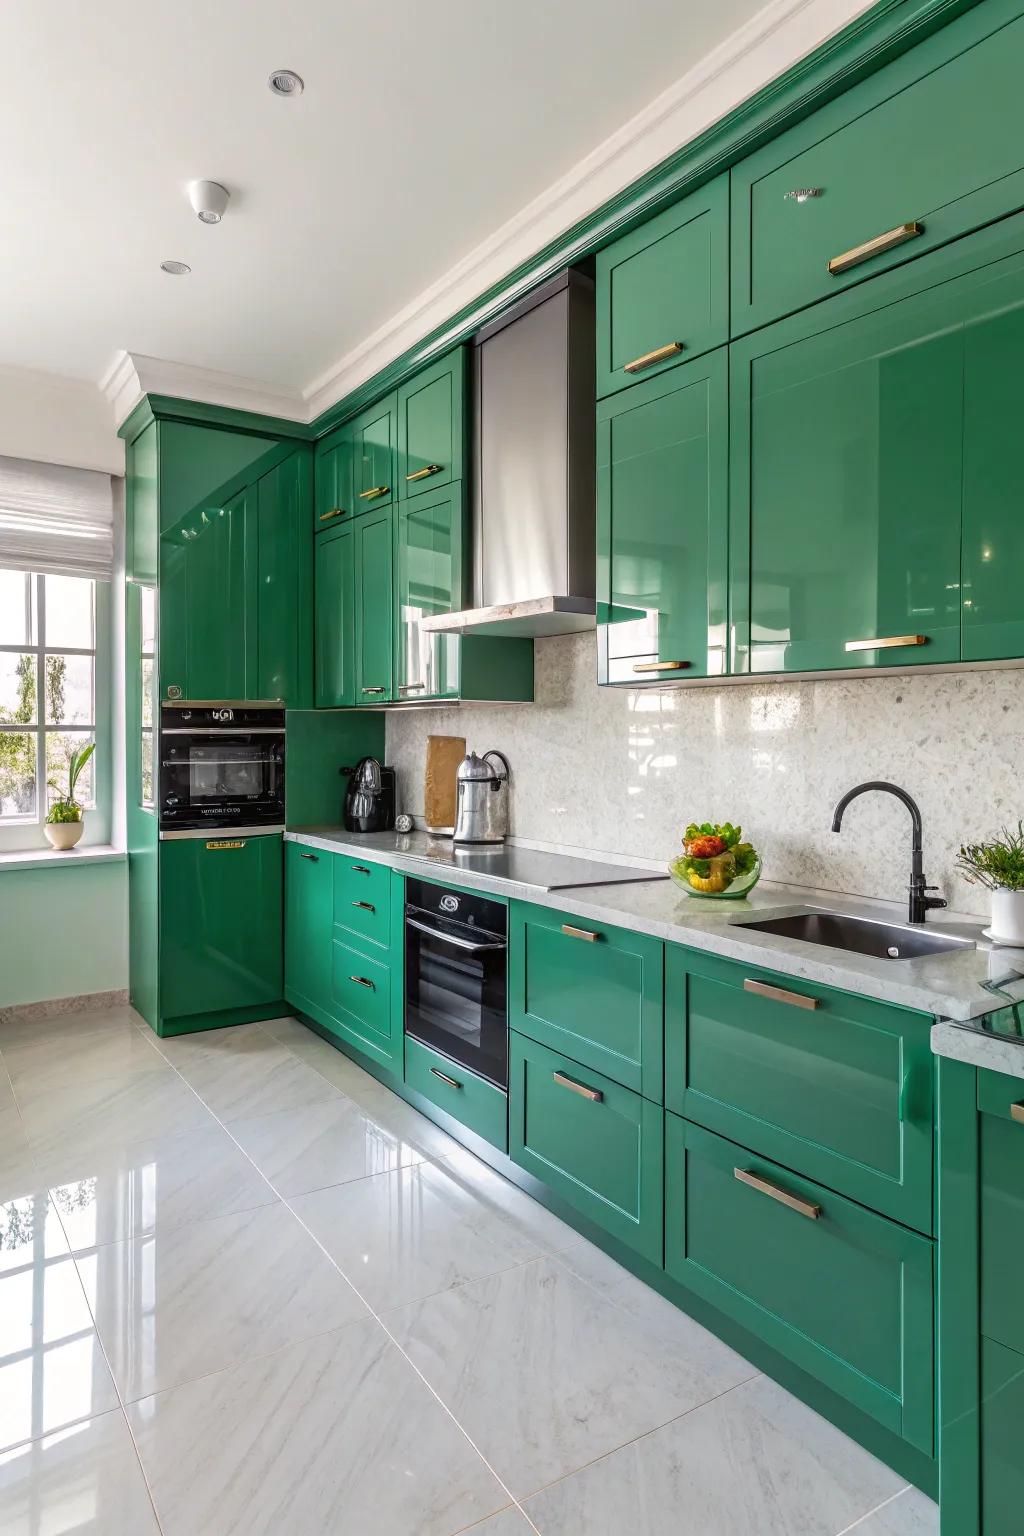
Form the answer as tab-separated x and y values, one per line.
284	565
663	290
432	426
308	919
923	151
374	455
334	495
662	535
373	608
430	571
335	629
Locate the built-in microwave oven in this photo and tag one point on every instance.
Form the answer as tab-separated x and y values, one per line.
221	765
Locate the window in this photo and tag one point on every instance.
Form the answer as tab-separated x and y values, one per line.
147	599
51	697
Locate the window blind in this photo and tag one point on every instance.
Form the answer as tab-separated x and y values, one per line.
55	519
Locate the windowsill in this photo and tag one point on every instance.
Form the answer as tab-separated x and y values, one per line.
44	858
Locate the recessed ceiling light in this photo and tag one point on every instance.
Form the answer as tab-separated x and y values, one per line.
285	82
175	268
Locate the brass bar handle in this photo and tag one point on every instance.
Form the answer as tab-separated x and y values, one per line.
421	474
232	843
593	1094
452	1082
779	994
361	869
580	933
650	358
363	982
776	1192
325	517
660	666
886	643
410	687
314	857
876	247
374	690
365	906
374	491
1017	1113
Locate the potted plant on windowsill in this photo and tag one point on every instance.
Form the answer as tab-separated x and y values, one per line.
999	866
64	824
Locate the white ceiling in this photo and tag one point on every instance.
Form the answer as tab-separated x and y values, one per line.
425	125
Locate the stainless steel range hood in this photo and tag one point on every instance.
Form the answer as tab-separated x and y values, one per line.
533	482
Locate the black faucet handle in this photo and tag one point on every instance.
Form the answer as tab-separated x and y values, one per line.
934	901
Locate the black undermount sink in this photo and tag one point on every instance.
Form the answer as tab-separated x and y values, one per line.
863	935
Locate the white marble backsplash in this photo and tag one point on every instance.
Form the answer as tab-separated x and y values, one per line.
621	771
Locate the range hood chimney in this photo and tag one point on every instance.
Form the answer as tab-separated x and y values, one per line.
533	482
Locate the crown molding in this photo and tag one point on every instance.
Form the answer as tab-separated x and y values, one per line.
132	375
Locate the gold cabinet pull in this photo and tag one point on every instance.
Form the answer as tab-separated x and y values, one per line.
365	906
421	474
374	690
1017	1113
361	869
660	666
363	981
375	490
325	517
410	687
580	933
876	247
887	642
776	1192
650	358
232	843
315	857
779	994
593	1094
452	1082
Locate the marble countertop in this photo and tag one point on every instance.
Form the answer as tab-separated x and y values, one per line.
954	985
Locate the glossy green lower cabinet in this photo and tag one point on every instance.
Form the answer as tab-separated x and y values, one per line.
590	990
308	915
220	924
844	1294
373	596
1001	1179
594	1143
334	623
476	1104
1002	1422
362	901
837	1086
360	1008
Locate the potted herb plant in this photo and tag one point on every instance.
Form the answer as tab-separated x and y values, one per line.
999	866
64	824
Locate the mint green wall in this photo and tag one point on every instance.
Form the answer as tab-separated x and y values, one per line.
63	931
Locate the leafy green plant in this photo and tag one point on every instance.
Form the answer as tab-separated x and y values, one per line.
66	807
997	864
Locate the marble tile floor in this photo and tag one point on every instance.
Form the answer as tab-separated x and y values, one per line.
244	1289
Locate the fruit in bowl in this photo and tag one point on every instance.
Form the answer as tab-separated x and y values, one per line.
716	861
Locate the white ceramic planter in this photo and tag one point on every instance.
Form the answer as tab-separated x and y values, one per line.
1008	917
63	834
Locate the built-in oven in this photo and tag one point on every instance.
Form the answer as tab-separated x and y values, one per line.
456	976
221	765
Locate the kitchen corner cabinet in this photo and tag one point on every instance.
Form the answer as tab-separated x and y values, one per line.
662	526
333	494
334	620
432	426
373	608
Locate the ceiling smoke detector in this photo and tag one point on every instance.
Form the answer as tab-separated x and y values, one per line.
285	82
209	199
175	268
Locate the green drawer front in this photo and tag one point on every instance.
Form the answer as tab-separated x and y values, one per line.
361	1004
663	289
1002	1418
467	1098
361	898
842	1091
598	999
936	140
1002	1210
845	1295
600	1149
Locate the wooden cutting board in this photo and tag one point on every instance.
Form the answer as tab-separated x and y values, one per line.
444	754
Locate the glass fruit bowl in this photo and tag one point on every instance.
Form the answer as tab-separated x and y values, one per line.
716	862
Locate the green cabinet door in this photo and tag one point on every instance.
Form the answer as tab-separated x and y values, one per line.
1002	1417
335	624
1001	1166
373	608
282	619
663	290
361	1010
596	1144
662	537
308	901
374	457
432	426
333	498
221	945
843	1293
207	590
430	560
846	471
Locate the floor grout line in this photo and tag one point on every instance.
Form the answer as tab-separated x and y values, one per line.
867	1516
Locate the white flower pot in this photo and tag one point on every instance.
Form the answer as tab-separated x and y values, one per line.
63	834
1008	917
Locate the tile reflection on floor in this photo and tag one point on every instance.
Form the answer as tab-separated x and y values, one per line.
245	1289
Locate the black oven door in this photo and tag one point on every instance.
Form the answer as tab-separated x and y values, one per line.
237	778
456	992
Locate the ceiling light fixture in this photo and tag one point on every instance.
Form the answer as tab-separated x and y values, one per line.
285	82
209	199
175	268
